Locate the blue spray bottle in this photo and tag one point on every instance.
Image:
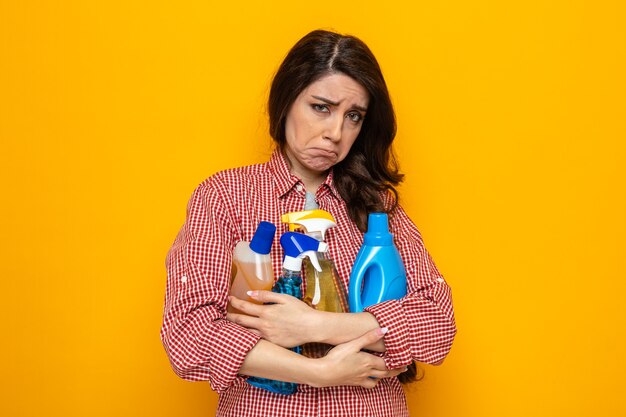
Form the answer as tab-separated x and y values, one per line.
324	291
378	273
296	246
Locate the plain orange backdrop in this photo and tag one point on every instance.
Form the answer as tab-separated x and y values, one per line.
511	135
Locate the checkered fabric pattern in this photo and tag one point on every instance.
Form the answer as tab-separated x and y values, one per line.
202	345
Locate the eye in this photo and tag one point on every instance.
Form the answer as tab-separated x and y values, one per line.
322	108
355	117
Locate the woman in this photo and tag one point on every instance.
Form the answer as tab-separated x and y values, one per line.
332	120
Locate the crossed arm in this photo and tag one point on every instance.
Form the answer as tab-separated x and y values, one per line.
289	322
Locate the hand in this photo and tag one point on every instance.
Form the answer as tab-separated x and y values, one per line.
346	364
286	322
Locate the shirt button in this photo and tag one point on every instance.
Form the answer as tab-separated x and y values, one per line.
440	280
299	187
183	279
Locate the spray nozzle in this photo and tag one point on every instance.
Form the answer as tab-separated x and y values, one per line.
315	222
298	246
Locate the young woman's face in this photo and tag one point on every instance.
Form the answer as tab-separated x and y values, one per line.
323	123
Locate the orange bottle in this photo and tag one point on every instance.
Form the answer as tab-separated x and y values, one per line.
252	264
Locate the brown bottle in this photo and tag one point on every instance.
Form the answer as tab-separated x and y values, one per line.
324	292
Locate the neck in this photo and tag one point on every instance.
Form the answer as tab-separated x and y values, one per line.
311	182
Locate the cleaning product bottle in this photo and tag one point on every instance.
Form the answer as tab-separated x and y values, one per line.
252	265
324	290
296	246
378	272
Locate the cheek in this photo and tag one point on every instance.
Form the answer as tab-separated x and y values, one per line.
291	135
349	142
297	128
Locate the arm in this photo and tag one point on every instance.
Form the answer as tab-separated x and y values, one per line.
345	364
290	322
200	344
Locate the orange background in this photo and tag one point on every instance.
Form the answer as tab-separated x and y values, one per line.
511	134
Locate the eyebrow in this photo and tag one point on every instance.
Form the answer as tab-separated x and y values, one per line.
335	103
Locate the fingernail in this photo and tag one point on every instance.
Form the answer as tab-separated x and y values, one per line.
382	330
252	293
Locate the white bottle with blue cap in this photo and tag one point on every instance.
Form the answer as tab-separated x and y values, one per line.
378	272
252	264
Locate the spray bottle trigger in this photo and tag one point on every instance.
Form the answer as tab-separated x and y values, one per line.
312	255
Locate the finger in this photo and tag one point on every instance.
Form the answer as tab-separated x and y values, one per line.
368	338
247	307
369	382
268	296
378	368
377	363
244	320
255	331
386	374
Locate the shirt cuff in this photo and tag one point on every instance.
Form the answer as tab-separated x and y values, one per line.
230	346
390	314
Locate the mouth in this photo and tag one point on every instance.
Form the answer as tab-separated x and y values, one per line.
324	153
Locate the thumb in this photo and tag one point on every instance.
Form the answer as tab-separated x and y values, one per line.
369	338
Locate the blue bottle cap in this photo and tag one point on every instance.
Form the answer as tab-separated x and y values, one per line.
378	230
261	242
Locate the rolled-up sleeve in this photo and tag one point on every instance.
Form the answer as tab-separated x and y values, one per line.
200	343
421	326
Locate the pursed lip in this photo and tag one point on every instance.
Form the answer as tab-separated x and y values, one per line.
324	152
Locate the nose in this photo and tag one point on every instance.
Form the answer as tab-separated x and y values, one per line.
334	128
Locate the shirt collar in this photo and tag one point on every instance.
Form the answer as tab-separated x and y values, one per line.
285	180
329	184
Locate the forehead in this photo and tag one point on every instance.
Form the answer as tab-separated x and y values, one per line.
338	87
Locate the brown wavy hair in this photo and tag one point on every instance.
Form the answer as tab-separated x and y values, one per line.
370	170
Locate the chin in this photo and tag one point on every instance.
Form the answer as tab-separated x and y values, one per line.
322	165
321	168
